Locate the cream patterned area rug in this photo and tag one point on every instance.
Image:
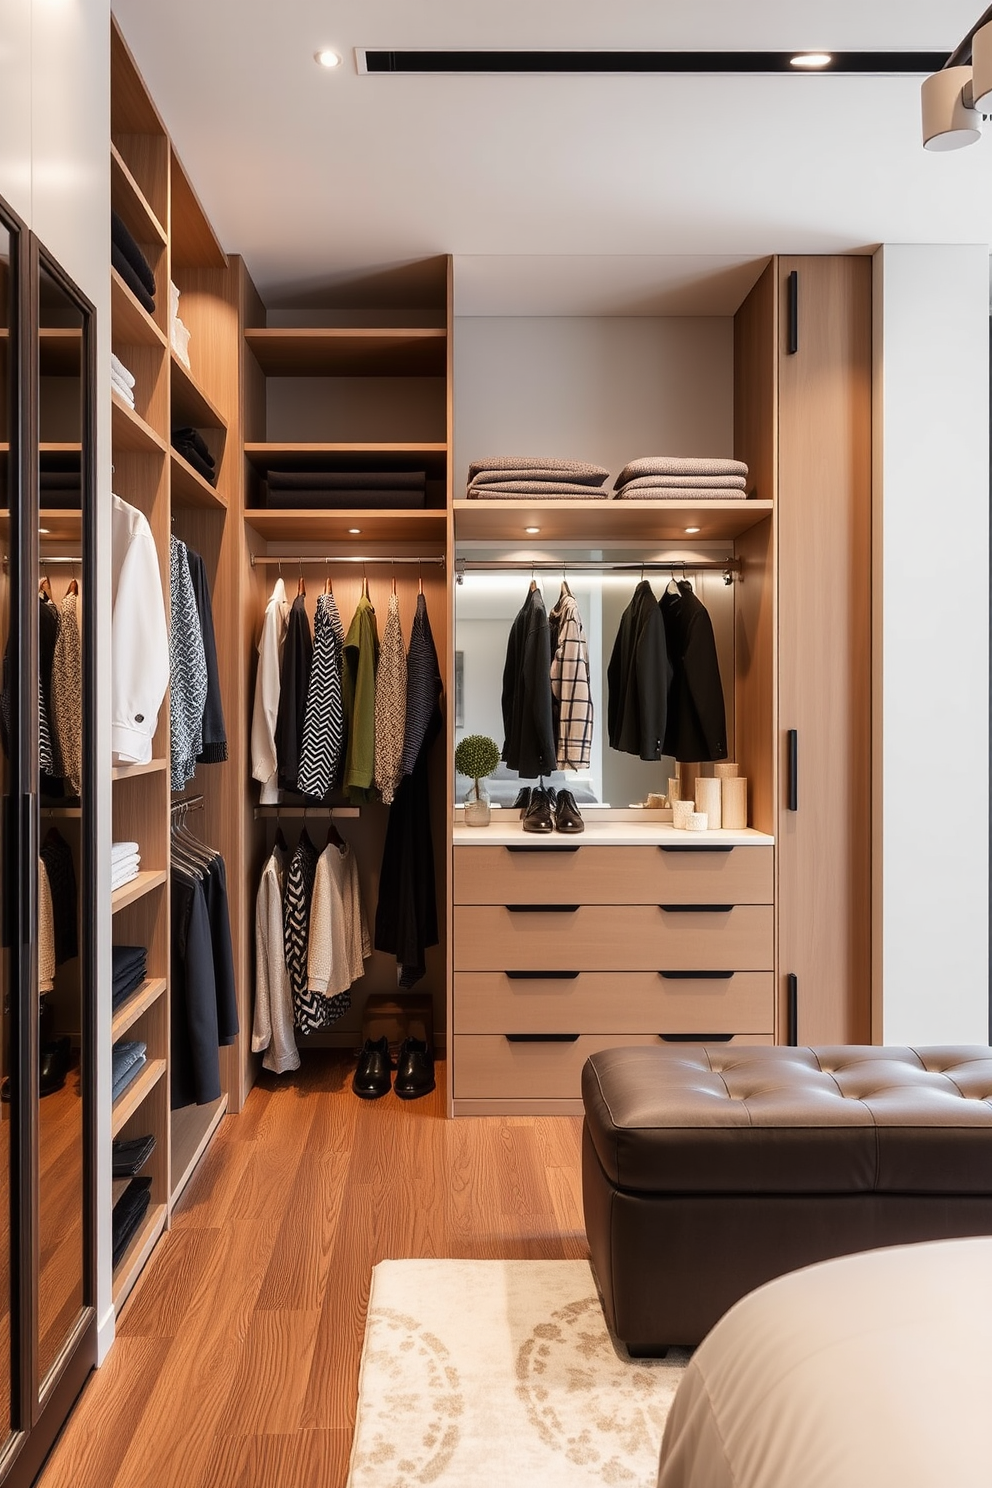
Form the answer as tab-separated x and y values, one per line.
502	1374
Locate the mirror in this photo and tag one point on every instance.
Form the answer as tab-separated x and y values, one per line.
485	606
8	404
62	418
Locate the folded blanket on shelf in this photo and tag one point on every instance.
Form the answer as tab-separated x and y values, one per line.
134	284
130	1155
535	473
188	435
544	490
126	1059
123	875
346	480
120	372
678	493
193	457
122	390
122	239
128	1213
687	482
338	499
678	465
575	470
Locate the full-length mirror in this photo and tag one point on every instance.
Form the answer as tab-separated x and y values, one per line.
8	407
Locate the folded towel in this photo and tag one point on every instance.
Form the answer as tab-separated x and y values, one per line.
123	850
128	1213
121	239
346	480
130	1155
678	493
134	284
337	499
574	469
517	490
122	876
678	465
687	482
123	391
189	435
193	457
120	864
119	370
535	473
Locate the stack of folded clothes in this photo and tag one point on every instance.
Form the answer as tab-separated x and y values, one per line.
127	1059
132	265
128	1213
191	444
124	860
515	477
178	334
121	380
60	489
131	1154
322	489
672	478
129	971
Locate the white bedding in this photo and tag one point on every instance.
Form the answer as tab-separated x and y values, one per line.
872	1371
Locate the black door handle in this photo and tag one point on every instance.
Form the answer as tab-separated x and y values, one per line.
708	847
793	312
792	798
696	976
533	847
541	1038
543	908
696	1038
696	908
792	989
541	976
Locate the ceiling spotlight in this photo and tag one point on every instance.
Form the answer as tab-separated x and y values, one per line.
44	531
532	531
981	67
811	59
327	58
692	529
950	120
355	531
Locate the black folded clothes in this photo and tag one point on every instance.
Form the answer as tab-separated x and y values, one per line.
337	499
129	1211
134	284
337	489
127	247
131	1154
193	448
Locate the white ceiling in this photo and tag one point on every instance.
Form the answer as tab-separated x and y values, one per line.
563	194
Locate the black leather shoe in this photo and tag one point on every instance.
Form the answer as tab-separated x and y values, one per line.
54	1065
523	799
537	817
567	817
371	1077
414	1070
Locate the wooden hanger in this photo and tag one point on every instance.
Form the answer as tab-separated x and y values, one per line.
45	588
301	587
328	585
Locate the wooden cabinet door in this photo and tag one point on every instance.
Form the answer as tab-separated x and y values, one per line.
824	638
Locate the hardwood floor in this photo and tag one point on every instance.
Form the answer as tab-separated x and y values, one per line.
236	1361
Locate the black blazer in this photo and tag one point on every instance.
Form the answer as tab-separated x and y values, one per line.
697	721
294	680
529	740
638	678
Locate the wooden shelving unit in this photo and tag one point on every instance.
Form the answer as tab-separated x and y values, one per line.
189	487
130	431
315	455
131	892
132	1262
151	989
345	352
131	321
128	772
130	1099
337	526
602	521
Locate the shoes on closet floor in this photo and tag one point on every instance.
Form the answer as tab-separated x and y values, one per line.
523	800
371	1077
537	817
414	1070
567	815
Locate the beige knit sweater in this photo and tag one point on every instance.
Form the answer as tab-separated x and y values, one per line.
339	935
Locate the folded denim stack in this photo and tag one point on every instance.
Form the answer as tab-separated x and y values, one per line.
674	478
132	265
127	1058
129	967
190	443
368	489
124	861
121	380
128	1212
515	477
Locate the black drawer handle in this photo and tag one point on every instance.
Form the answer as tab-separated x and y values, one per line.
541	1038
696	908
543	908
696	976
696	1038
707	847
541	976
540	847
792	788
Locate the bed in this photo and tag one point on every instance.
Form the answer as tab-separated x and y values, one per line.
872	1371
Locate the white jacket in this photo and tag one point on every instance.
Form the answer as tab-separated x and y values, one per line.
264	764
339	934
272	1033
139	636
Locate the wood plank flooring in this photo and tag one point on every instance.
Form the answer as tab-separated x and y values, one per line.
236	1360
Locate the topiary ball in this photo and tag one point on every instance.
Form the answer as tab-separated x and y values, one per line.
476	756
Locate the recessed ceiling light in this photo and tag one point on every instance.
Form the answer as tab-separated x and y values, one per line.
44	531
811	59
692	529
355	531
327	58
532	531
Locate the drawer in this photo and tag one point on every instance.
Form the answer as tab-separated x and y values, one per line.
488	1067
593	937
624	1002
544	873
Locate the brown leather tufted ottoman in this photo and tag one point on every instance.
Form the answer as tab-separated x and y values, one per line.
707	1171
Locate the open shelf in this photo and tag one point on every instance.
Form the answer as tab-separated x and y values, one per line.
128	772
603	522
139	1002
58	526
420	526
336	352
60	351
130	431
190	489
190	404
195	245
139	1089
130	202
430	457
129	1267
137	889
131	322
192	1128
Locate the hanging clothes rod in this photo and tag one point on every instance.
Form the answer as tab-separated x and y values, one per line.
338	813
315	560
596	565
191	803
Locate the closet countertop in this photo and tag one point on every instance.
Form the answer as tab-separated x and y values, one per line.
605	834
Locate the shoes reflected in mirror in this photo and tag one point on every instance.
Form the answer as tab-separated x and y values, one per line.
414	1070
537	817
371	1077
54	1065
567	815
523	800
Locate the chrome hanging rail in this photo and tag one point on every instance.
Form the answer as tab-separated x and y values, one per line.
316	560
727	566
189	803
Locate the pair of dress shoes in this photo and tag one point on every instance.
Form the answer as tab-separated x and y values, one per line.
546	810
414	1070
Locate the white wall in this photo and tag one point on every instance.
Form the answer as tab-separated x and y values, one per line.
55	173
931	604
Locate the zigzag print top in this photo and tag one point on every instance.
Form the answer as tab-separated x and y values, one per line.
188	670
323	723
296	903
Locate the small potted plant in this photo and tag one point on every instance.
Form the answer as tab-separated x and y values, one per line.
477	757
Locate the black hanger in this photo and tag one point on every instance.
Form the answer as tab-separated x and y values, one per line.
334	836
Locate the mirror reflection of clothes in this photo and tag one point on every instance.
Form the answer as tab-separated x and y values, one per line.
203	994
528	730
697	720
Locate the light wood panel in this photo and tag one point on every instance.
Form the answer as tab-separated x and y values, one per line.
130	202
142	884
194	243
605	521
608	1002
824	532
612	875
334	352
132	321
189	488
131	432
426	527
